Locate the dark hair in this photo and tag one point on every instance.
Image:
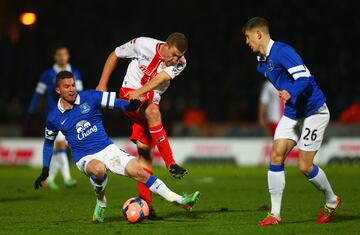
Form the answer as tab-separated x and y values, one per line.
256	22
178	40
57	47
63	75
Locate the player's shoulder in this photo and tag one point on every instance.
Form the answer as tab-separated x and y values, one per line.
146	43
53	115
48	73
282	47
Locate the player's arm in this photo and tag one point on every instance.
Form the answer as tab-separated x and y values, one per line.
48	147
40	90
108	100
149	86
127	50
297	69
78	82
109	67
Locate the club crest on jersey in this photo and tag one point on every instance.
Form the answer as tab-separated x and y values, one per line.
84	129
84	108
270	65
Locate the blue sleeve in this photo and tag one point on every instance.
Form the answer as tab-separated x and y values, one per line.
108	100
39	91
34	102
50	135
294	65
78	81
47	152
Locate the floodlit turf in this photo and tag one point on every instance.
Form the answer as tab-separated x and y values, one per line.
233	200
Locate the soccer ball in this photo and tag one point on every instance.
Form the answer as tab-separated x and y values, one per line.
135	210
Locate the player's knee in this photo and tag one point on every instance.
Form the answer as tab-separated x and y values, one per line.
276	157
139	174
152	113
97	169
305	169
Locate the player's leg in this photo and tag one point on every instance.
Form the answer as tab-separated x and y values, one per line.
55	165
160	138
313	130
134	170
284	141
145	160
122	163
98	178
61	155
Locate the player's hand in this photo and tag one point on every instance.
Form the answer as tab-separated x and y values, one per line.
133	105
133	95
284	94
101	87
41	178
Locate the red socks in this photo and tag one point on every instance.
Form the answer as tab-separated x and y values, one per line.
144	192
160	138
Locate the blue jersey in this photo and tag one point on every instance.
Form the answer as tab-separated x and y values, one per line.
47	84
284	68
82	125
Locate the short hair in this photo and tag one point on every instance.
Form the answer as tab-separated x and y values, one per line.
256	22
63	75
57	47
178	40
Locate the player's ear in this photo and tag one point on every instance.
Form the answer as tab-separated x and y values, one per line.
258	34
57	89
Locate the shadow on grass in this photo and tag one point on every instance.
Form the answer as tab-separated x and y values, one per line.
338	218
16	199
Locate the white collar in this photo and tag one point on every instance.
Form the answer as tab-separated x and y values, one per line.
62	110
268	49
58	69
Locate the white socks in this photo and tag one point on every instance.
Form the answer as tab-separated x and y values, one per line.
65	169
158	186
318	178
59	161
276	183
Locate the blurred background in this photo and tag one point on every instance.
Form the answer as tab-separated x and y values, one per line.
218	93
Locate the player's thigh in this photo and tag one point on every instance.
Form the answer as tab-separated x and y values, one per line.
313	129
280	149
116	159
136	171
285	138
305	161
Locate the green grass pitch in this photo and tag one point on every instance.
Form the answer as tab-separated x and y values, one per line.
233	200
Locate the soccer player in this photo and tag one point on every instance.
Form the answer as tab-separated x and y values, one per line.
78	117
304	121
47	85
271	108
153	65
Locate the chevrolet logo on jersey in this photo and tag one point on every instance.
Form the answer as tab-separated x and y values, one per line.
84	129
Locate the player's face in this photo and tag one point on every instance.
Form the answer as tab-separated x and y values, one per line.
172	55
253	40
62	57
67	89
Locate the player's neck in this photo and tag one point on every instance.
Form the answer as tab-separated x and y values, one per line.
264	46
66	104
62	67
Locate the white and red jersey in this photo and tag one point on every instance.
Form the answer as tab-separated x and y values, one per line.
274	105
146	62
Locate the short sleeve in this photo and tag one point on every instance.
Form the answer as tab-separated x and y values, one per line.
128	50
175	70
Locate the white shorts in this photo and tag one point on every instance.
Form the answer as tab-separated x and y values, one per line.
60	137
307	132
114	159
